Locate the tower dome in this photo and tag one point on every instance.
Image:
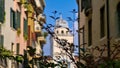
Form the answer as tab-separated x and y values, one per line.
61	23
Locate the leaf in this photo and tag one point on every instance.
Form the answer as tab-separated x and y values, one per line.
82	49
57	18
54	12
19	59
52	17
70	19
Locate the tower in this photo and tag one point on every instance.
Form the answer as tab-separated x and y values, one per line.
62	31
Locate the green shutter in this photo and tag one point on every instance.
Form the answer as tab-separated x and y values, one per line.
18	19
18	48
11	18
25	27
2	11
15	19
1	40
14	24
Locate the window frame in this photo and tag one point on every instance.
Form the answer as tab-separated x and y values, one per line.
102	22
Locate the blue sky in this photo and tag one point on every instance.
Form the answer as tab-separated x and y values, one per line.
62	6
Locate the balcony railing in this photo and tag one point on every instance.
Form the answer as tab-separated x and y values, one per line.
42	18
40	4
22	1
41	39
37	27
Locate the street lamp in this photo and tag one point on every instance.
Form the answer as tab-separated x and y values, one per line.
73	20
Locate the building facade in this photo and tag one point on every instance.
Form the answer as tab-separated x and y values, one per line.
6	31
100	20
18	28
39	38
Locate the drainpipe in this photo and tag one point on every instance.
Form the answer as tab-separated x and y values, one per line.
79	30
108	29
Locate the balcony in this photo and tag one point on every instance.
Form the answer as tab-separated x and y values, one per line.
42	18
40	4
22	2
37	2
41	39
37	28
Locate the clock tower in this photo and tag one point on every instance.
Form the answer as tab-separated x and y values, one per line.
62	31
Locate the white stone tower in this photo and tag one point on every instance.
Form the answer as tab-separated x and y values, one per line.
62	31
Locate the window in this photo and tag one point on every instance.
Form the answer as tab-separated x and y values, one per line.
17	52
1	40
66	32
118	18
18	19
11	17
57	32
0	29
12	46
62	32
17	48
89	32
2	12
85	4
13	22
102	22
25	28
15	19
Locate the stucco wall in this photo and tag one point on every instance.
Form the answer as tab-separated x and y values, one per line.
7	31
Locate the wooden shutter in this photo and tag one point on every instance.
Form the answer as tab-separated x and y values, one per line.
2	12
1	40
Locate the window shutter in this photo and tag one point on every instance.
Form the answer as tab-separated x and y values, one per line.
11	18
14	21
18	19
25	27
17	48
2	11
1	40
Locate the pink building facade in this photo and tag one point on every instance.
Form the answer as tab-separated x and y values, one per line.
20	41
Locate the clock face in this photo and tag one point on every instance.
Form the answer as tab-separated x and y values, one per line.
63	23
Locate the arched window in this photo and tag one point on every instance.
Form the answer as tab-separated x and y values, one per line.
57	31
62	32
118	18
66	32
